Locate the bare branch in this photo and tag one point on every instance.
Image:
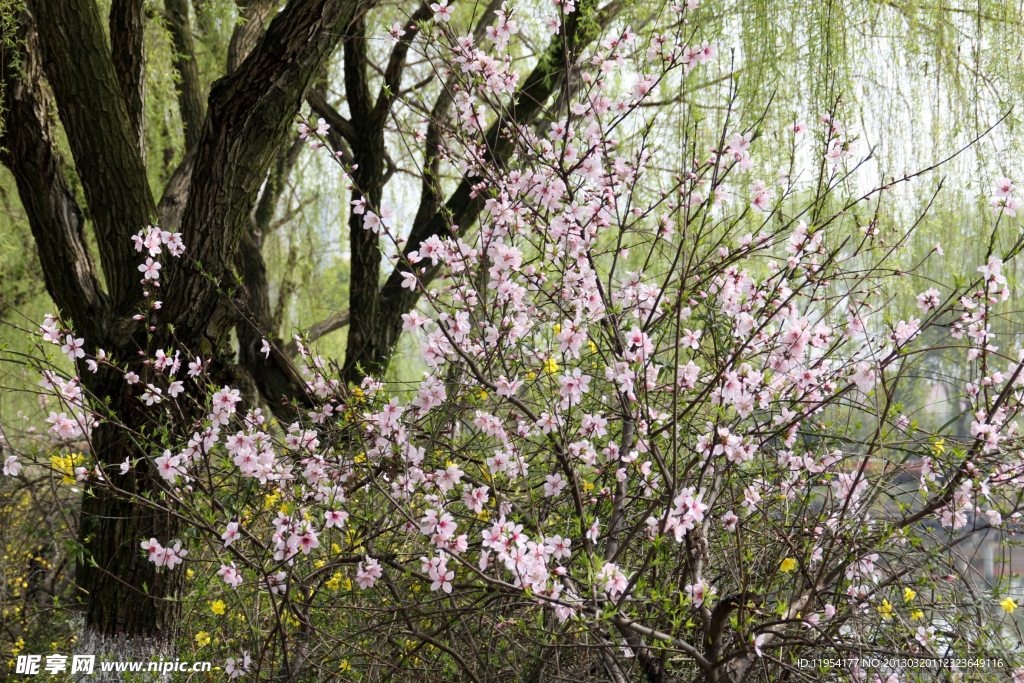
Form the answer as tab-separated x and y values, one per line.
190	98
317	330
102	139
28	149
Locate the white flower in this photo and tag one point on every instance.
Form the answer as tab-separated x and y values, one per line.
442	12
11	466
72	348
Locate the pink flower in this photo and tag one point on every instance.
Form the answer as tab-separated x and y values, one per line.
1004	187
554	485
758	642
574	386
231	534
335	518
442	12
230	575
72	348
396	32
11	466
729	519
367	573
150	269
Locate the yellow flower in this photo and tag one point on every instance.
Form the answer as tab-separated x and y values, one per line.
217	607
885	609
593	347
482	395
558	328
587	487
361	457
202	638
344	666
334	581
550	366
335	547
909	594
65	466
788	565
917	614
1008	605
532	375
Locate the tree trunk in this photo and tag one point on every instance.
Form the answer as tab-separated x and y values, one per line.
130	604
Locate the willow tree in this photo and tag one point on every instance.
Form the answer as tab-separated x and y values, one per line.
97	79
97	84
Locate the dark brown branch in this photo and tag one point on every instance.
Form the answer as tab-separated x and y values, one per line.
369	154
341	131
175	196
190	94
317	330
29	150
104	144
128	53
275	377
249	114
396	64
252	15
263	215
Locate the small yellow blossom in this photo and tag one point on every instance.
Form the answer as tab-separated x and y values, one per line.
532	375
909	594
217	607
550	366
558	328
885	609
202	638
1008	605
335	581
788	565
593	346
65	466
916	614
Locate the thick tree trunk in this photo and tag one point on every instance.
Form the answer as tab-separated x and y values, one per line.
129	602
129	597
368	153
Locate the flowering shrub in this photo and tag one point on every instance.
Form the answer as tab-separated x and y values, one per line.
630	454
